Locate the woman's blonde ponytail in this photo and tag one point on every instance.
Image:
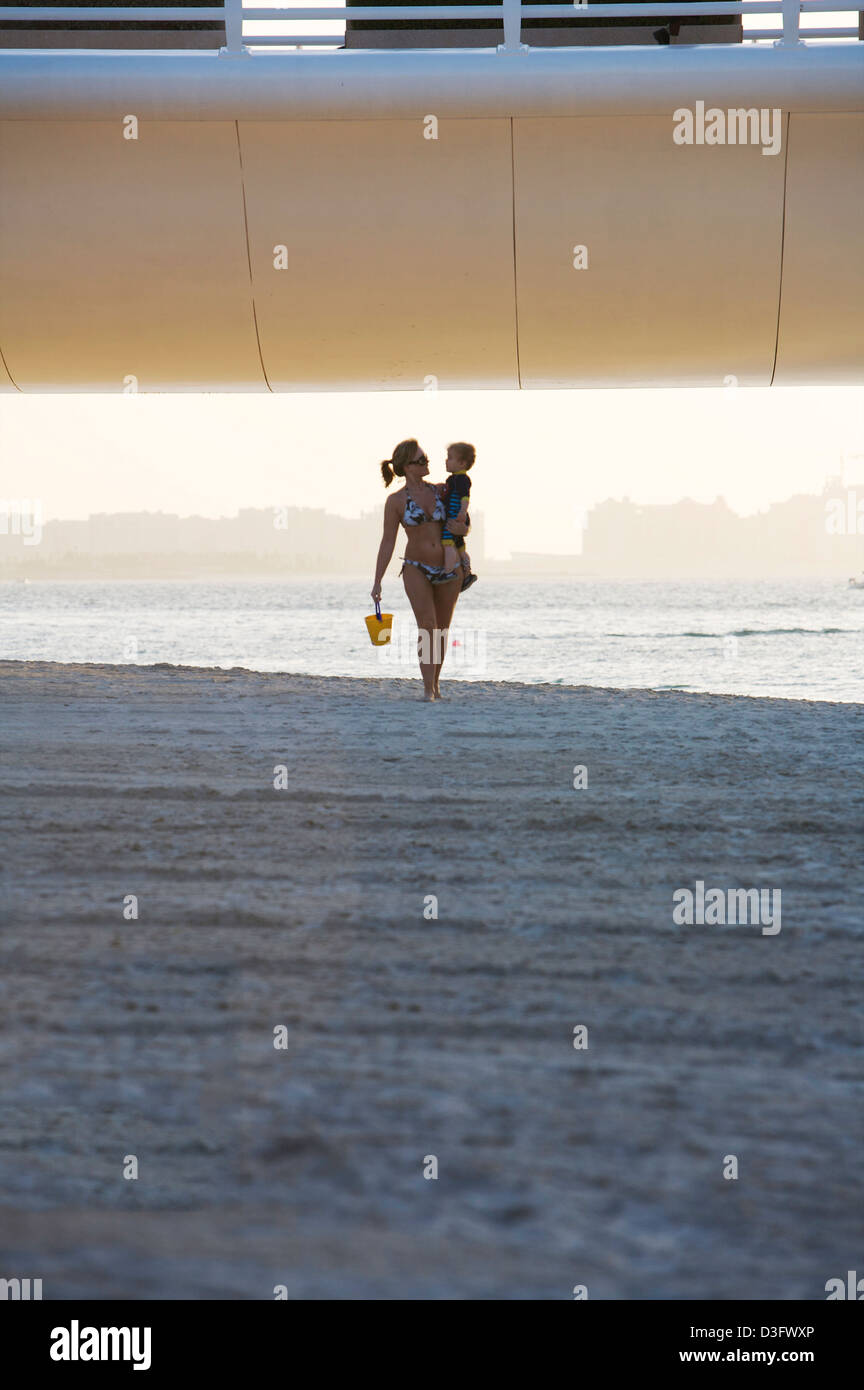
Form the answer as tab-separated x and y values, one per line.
395	467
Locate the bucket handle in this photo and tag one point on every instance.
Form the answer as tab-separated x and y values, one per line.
377	610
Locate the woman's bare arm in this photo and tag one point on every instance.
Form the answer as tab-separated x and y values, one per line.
388	542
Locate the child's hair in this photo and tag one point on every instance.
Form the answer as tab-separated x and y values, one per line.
395	467
465	453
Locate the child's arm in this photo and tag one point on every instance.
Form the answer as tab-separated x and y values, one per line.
455	527
457	507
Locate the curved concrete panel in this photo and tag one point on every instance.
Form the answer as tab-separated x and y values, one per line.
683	255
822	305
399	253
362	85
124	259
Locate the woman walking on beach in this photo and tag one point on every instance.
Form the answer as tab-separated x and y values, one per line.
432	590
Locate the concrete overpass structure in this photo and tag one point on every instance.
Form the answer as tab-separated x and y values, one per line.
258	216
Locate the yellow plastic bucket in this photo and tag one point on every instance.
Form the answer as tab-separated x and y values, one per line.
378	625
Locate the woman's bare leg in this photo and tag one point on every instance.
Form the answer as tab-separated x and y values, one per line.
445	596
420	596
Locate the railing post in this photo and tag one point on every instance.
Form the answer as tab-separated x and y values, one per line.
512	28
791	21
233	31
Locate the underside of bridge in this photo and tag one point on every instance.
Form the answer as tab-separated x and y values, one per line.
404	220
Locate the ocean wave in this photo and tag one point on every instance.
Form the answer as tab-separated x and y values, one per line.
739	632
788	631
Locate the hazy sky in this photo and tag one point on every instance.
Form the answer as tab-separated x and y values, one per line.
542	456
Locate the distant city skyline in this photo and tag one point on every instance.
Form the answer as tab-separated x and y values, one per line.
543	458
806	534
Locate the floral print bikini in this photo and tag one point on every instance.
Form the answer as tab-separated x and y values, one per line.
413	515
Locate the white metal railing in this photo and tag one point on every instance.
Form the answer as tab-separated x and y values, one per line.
512	13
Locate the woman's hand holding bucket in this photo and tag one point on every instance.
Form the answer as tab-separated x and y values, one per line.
378	625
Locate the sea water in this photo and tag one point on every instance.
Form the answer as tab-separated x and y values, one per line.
797	639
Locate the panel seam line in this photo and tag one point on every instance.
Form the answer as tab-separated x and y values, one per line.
249	258
9	374
782	248
515	281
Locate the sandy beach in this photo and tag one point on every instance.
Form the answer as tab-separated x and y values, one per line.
411	1036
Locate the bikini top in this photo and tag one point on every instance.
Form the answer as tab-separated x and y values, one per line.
413	515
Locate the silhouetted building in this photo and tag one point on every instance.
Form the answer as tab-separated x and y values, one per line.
266	540
805	535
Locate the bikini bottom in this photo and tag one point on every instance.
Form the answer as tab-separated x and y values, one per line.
436	574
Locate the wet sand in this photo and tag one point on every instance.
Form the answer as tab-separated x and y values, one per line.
410	1036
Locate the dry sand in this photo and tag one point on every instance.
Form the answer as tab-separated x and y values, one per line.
410	1037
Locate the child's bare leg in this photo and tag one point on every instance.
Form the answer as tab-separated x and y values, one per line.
468	577
451	557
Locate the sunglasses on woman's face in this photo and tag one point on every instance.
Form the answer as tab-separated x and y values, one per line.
422	459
